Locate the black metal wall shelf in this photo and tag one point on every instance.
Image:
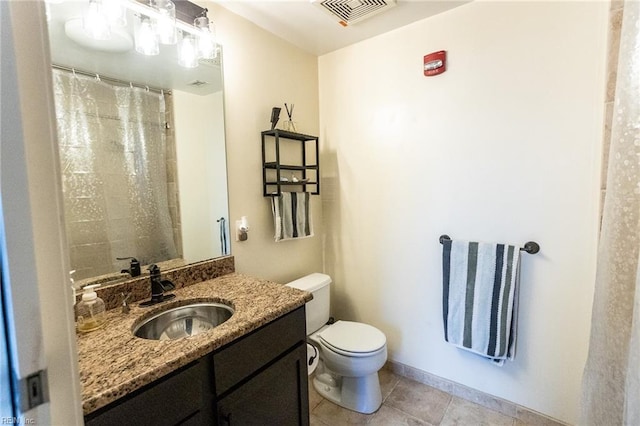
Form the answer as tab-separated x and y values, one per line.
306	169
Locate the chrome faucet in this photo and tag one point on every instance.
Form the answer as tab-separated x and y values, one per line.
158	287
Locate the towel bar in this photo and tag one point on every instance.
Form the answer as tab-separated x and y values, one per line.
530	247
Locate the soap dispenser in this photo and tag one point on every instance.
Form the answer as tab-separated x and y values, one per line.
90	311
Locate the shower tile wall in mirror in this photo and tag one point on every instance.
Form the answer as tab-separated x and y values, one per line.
143	164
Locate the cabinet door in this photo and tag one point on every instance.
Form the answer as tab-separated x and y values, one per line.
249	355
276	396
175	399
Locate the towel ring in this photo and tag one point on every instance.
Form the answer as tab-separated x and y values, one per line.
530	247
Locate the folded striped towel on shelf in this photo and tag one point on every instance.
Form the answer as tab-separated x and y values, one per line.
480	297
292	216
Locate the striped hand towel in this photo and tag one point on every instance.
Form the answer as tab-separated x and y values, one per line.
292	216
480	297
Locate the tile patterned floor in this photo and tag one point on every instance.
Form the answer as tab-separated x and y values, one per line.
409	403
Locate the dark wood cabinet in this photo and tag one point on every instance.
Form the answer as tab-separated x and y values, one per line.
274	396
175	399
258	379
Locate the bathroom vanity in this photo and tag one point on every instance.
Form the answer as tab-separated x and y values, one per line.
249	370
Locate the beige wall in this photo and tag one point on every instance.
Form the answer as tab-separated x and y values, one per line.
262	71
503	147
202	173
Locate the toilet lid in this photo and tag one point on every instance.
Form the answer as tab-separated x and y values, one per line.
352	336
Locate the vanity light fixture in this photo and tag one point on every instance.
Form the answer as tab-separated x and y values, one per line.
157	22
195	41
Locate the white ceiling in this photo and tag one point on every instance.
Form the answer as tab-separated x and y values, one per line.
312	29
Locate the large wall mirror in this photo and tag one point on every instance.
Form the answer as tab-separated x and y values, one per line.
141	140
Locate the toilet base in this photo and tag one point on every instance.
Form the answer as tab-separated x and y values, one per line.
361	394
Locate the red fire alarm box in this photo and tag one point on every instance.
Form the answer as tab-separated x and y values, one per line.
435	63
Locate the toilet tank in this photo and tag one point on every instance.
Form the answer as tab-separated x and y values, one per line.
317	310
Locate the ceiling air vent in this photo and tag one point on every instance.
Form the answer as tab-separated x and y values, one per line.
197	83
351	11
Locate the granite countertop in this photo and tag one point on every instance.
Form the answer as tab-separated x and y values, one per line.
113	362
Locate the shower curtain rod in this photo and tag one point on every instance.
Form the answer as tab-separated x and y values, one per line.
111	79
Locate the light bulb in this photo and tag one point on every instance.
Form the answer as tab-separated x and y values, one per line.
188	51
207	47
145	37
95	23
206	39
115	12
165	21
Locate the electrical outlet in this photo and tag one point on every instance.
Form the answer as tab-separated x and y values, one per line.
241	233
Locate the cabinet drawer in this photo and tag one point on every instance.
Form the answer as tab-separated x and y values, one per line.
169	401
241	359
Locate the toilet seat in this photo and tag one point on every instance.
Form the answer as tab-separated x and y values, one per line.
353	339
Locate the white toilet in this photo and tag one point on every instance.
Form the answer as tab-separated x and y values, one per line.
351	353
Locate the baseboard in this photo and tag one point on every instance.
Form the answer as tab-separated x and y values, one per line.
500	405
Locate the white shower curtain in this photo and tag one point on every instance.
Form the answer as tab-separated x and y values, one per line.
113	156
611	382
